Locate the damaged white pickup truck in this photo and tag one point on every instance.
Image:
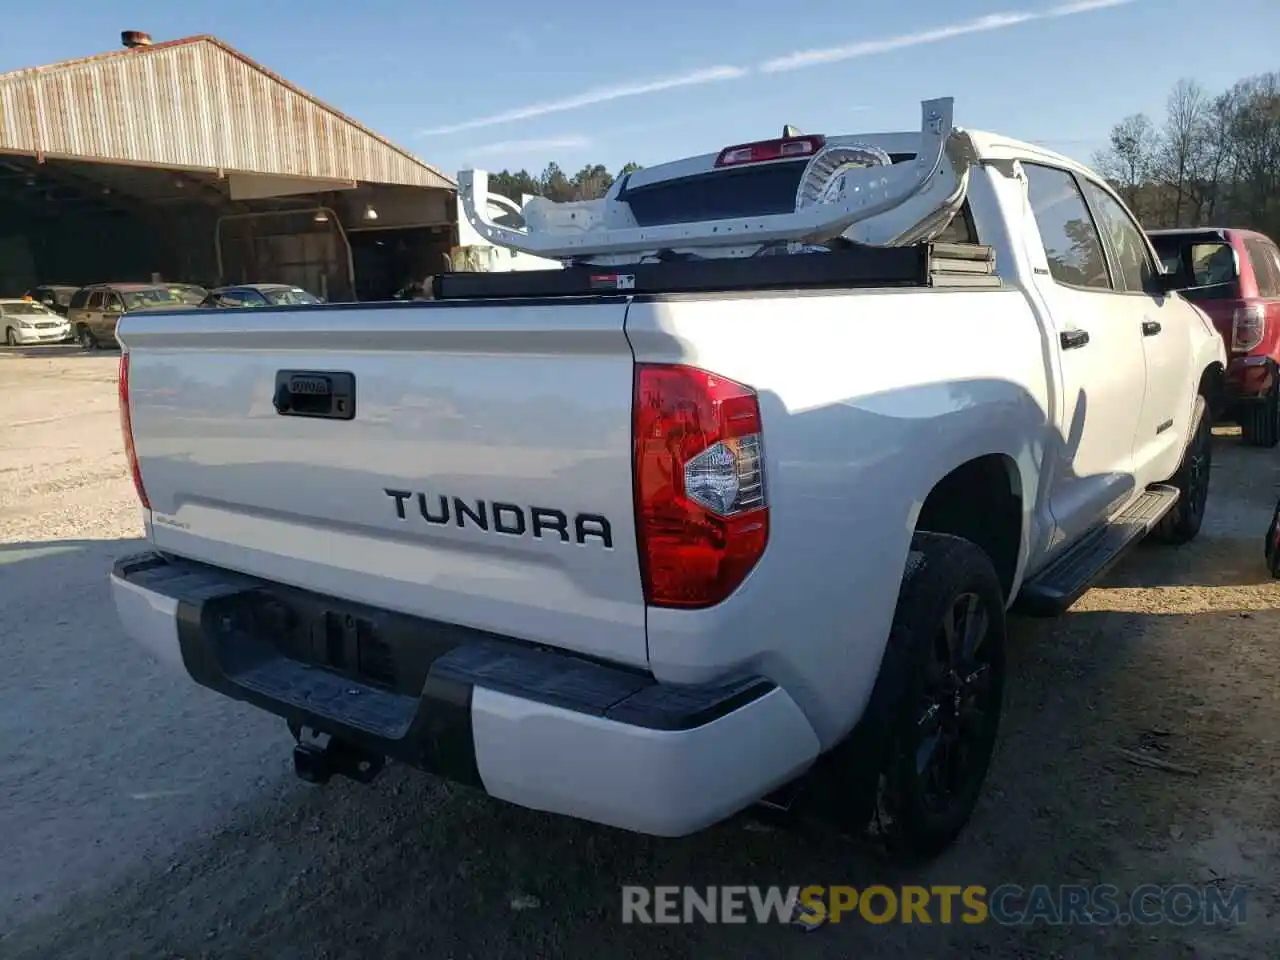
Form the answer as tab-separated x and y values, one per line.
727	511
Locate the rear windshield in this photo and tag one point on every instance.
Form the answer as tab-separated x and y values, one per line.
1209	264
155	297
722	194
26	309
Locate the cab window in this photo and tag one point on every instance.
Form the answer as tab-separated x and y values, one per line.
1132	261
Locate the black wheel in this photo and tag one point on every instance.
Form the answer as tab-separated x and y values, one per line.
1182	523
1271	548
1260	420
86	338
10	340
929	731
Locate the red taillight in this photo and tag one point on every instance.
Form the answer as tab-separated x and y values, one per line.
762	150
702	517
126	430
1248	327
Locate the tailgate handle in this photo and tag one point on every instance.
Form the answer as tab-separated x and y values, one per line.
322	394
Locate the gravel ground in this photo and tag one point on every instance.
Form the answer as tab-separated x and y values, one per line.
142	816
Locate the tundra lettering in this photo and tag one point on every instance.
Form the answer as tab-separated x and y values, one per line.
507	518
315	386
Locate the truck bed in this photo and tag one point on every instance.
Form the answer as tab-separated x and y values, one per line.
470	459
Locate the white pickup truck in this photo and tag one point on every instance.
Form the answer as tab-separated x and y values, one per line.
727	511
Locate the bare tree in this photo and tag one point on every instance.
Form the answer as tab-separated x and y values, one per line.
1255	137
1127	162
1182	141
1215	163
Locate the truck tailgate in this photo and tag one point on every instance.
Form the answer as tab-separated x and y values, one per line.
485	478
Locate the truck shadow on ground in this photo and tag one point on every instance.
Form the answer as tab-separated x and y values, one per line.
238	860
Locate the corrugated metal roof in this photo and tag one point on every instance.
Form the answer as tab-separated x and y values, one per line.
198	104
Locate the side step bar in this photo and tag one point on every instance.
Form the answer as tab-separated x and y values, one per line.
1055	588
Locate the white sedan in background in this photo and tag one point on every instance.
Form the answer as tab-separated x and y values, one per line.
26	322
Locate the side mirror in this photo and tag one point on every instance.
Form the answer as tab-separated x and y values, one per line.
1167	283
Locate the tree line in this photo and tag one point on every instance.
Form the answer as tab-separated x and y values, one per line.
590	183
1212	159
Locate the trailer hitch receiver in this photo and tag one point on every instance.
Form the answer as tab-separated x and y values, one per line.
318	757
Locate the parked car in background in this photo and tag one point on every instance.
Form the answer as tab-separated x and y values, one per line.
1234	277
259	295
55	296
192	293
94	309
24	321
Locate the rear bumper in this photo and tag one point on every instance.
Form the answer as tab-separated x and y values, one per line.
1250	378
532	726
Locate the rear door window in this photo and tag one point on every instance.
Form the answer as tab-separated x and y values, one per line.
96	300
1072	244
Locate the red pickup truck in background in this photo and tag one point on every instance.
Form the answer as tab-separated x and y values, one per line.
1234	277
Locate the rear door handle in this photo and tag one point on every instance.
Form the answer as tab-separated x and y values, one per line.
1073	339
1150	328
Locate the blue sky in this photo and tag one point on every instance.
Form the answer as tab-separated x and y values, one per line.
509	84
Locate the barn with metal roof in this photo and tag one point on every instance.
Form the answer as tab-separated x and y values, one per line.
189	160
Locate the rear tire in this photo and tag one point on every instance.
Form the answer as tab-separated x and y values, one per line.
1271	548
1260	421
916	762
86	339
1182	523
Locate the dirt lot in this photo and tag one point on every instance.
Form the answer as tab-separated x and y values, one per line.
141	816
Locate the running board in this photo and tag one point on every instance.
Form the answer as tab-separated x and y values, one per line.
1055	588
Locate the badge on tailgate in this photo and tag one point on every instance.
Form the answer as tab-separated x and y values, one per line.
323	394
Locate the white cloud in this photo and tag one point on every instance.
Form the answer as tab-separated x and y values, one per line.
598	95
526	147
1085	6
798	60
865	48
